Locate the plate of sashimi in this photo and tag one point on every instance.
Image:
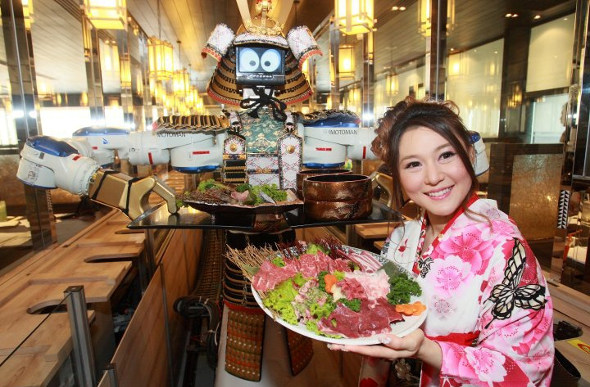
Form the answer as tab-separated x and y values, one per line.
332	292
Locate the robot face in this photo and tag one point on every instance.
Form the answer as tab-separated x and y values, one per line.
260	65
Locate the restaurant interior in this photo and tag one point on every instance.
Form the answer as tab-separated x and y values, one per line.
516	69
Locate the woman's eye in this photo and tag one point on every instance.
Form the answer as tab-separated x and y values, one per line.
447	155
412	164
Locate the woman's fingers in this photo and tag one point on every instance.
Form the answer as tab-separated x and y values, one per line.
393	347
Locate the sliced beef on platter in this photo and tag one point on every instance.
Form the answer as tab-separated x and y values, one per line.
270	275
311	265
378	317
212	196
352	288
368	322
375	284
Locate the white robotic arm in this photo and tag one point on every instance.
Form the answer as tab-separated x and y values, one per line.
189	150
332	136
104	142
329	147
49	163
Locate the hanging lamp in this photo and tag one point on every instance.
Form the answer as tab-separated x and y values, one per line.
354	16
425	17
160	56
346	61
107	14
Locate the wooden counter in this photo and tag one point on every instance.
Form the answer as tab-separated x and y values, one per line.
26	292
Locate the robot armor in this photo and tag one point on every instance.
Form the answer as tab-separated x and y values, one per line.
219	42
302	44
290	148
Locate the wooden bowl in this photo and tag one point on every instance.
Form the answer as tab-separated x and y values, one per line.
334	188
316	172
340	210
337	197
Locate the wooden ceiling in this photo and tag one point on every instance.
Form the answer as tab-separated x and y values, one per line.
59	56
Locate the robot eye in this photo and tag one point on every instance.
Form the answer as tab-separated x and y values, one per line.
248	60
270	60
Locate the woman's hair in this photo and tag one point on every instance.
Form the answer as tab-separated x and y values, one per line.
440	117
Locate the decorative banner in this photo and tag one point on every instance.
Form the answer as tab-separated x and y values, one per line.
580	345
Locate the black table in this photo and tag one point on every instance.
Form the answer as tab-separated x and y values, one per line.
186	217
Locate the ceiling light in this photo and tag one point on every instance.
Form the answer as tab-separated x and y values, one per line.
424	16
160	58
395	8
346	61
508	15
107	14
354	17
181	83
28	13
402	8
537	17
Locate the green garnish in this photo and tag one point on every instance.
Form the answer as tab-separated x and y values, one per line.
278	261
322	280
354	304
210	183
278	195
401	286
299	279
243	187
280	299
314	248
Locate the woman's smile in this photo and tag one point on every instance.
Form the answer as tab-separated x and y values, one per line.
439	194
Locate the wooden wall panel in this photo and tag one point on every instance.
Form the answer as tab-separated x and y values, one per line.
141	357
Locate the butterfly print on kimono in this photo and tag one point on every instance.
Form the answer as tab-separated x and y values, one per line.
508	295
424	266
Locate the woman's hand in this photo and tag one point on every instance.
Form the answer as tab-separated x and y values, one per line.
393	347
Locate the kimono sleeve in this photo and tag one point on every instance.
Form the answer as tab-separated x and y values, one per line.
515	324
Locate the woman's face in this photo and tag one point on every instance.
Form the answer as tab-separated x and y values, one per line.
432	174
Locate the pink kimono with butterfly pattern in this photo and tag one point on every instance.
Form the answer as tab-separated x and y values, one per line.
489	308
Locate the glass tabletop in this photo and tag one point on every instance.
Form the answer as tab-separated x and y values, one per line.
186	217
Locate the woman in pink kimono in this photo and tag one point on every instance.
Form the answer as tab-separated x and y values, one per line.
489	316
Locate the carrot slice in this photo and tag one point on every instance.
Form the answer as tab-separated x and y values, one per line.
414	309
330	280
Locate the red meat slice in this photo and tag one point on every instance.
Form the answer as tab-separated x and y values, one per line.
369	321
